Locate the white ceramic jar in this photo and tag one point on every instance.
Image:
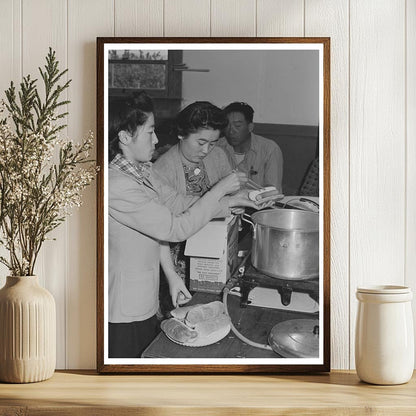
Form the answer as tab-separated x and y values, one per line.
384	337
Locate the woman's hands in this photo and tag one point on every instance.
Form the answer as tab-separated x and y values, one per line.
241	199
230	184
267	199
178	291
237	197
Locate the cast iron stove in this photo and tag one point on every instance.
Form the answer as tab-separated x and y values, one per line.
249	278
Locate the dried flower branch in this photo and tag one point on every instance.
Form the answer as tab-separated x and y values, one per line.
36	193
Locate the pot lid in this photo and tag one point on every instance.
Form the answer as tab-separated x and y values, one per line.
296	338
384	289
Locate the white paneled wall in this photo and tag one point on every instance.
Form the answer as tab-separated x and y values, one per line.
86	19
377	144
331	18
373	132
410	92
52	265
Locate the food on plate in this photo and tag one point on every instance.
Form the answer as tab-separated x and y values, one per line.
209	327
180	312
178	331
204	313
198	325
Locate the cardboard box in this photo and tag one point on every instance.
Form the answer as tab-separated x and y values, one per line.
213	255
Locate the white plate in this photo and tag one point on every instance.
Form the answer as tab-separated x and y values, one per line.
200	341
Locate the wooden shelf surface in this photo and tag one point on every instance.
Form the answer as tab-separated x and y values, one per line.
85	393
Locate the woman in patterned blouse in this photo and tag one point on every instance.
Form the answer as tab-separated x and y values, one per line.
195	164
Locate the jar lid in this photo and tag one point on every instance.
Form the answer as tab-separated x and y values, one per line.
384	289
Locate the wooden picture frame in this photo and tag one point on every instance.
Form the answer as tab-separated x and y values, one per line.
291	76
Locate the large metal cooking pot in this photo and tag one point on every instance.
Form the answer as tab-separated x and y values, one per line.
285	243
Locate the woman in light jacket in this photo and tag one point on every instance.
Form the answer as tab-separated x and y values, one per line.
195	164
144	214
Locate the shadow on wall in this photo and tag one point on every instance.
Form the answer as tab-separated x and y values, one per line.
299	145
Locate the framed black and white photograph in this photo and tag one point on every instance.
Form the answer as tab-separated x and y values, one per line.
213	224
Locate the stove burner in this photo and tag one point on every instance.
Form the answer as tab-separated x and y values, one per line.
252	278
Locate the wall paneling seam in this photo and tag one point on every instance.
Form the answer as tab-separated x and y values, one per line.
21	39
405	145
67	231
349	186
210	18
304	17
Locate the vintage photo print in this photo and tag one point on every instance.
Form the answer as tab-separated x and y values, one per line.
213	205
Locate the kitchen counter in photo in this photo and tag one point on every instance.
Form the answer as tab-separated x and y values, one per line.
264	308
254	322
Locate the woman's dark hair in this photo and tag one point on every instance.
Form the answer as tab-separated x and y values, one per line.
127	115
199	115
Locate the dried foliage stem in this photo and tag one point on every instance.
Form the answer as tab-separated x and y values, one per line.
36	193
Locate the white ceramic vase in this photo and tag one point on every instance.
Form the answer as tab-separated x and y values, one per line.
27	331
384	338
